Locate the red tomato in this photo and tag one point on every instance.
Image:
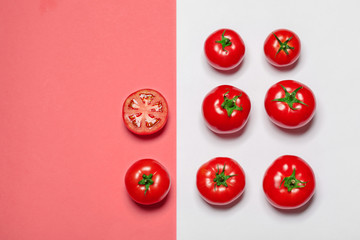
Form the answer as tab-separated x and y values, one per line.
224	49
282	48
226	109
145	112
290	104
220	181
289	182
147	181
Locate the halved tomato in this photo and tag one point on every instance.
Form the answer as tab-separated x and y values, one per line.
145	112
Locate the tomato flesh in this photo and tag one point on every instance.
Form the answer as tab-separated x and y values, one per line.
145	112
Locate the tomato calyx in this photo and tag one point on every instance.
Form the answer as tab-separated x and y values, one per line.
283	45
230	104
221	178
225	42
146	181
290	98
291	182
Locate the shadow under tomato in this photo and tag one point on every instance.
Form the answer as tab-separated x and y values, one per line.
155	206
227	206
235	134
287	68
298	131
296	210
229	72
150	136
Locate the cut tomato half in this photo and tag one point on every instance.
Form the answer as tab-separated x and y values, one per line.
145	112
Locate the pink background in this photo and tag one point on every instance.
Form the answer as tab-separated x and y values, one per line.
65	69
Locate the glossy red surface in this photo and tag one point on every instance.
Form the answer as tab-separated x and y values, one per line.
276	192
228	57
213	193
281	114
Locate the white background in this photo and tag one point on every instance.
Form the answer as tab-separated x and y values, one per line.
329	64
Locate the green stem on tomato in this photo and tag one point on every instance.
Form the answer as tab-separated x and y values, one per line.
283	45
230	104
146	181
290	98
225	42
291	182
221	178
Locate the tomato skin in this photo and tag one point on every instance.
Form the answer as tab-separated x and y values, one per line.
145	112
221	195
272	45
157	191
216	117
276	192
229	57
281	114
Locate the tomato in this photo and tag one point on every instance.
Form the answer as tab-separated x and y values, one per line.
290	104
282	48
224	49
220	181
289	182
226	109
145	112
147	181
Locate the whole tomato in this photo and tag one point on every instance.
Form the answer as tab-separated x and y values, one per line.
220	181
224	49
290	104
226	109
282	48
147	181
145	112
289	182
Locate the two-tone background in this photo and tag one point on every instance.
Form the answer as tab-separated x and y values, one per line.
66	66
